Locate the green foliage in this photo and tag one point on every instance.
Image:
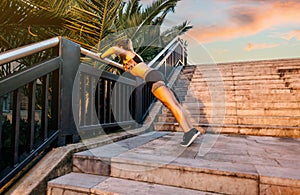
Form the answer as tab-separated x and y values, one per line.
94	24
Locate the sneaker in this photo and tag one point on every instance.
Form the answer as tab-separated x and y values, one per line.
189	137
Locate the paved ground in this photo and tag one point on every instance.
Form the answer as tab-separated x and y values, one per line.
226	152
214	163
224	164
268	162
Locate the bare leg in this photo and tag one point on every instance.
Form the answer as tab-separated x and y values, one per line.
167	97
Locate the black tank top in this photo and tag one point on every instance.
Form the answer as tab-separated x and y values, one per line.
137	59
132	63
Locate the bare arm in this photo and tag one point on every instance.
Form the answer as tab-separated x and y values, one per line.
112	50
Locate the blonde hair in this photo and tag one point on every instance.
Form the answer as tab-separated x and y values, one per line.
125	44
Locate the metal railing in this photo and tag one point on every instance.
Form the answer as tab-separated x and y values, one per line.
62	100
26	130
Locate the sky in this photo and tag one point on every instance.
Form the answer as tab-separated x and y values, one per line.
238	30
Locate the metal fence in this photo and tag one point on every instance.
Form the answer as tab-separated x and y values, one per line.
61	99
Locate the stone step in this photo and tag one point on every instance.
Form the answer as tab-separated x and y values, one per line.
78	183
269	98
241	82
83	165
240	111
261	97
204	86
181	83
235	91
262	71
255	74
197	105
211	82
237	120
239	105
232	86
243	111
236	129
235	86
213	163
186	77
247	77
251	65
282	94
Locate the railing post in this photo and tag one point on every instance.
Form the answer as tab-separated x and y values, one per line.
70	54
184	56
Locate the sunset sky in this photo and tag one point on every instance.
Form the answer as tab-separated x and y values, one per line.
239	30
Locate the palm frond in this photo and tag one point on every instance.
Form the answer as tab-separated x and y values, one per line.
87	22
25	21
92	20
180	29
152	11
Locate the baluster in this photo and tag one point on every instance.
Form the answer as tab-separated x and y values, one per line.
102	101
45	106
31	114
98	100
1	117
16	124
105	94
83	100
55	103
116	104
108	106
89	111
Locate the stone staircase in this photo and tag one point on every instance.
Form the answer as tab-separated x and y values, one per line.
249	98
250	113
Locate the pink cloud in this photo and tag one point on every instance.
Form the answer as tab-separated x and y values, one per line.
253	46
249	20
292	34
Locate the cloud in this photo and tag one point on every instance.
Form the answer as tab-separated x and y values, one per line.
292	34
220	51
253	46
249	19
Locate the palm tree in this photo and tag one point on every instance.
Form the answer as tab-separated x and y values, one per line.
87	22
24	21
83	21
142	25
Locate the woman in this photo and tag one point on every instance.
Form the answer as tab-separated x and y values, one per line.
134	64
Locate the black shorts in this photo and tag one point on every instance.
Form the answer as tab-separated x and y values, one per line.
155	79
153	76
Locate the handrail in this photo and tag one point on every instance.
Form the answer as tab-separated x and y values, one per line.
96	56
165	57
24	51
28	75
151	63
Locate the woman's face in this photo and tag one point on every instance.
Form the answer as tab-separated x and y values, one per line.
125	44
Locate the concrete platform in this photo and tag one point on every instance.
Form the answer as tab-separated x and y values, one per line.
213	163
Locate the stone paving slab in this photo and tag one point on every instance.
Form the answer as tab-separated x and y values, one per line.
80	184
164	161
249	160
97	160
215	163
